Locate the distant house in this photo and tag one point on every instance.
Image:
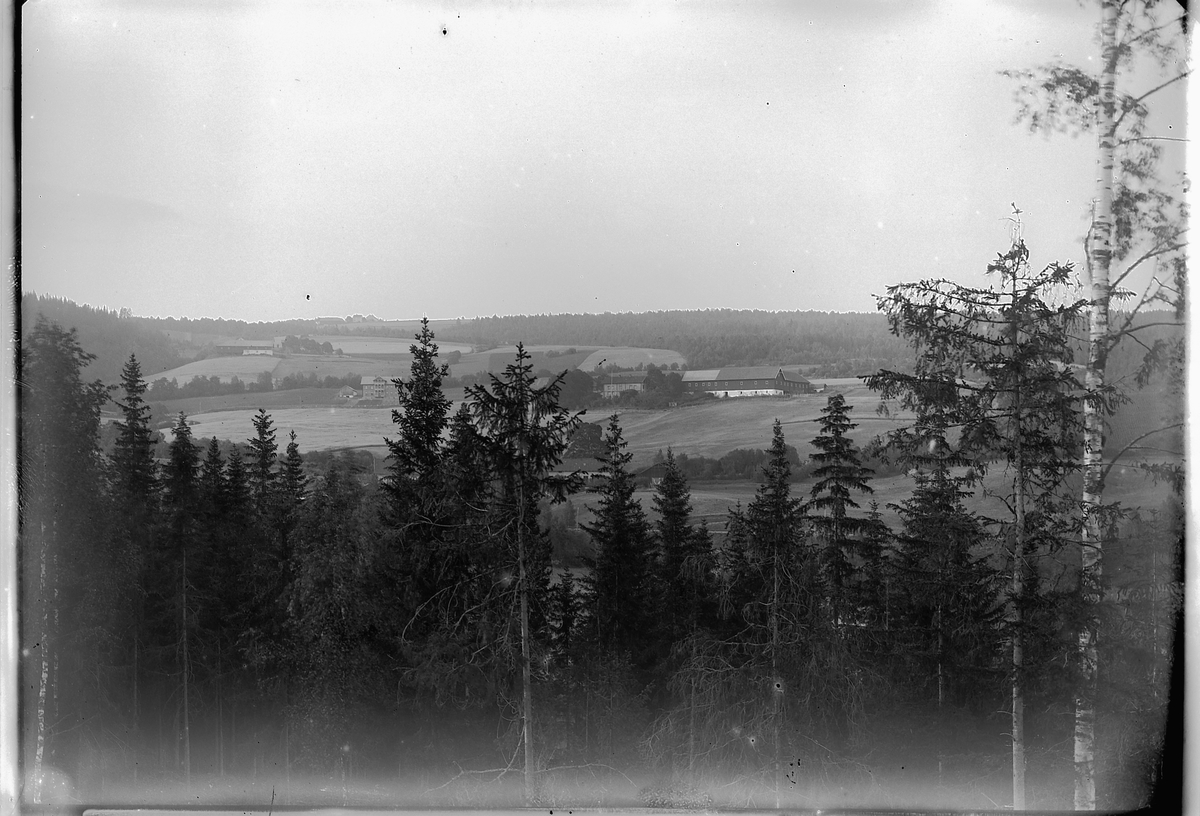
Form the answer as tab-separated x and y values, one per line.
242	347
612	385
377	387
654	473
348	393
253	347
746	381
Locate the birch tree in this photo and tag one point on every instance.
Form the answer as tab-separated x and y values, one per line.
60	484
1138	222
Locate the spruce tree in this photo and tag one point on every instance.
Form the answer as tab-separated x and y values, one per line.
776	538
839	473
620	585
263	452
677	545
175	569
421	419
998	362
522	431
135	473
947	610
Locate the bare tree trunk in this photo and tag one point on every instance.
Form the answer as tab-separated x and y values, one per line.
526	673
136	736
692	707
1099	260
39	751
220	719
187	734
1018	662
776	680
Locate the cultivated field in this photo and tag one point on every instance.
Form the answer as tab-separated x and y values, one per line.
247	369
714	428
327	427
389	346
322	366
711	430
630	357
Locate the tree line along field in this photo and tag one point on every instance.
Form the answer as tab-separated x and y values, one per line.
711	429
389	357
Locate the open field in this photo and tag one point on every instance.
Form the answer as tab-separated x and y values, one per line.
714	428
710	430
390	346
317	428
246	369
249	368
323	366
269	400
630	357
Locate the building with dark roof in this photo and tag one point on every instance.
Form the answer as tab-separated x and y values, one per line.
746	381
612	385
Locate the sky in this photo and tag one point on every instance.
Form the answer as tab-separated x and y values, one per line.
278	160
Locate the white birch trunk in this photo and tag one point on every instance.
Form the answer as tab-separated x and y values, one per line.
1099	262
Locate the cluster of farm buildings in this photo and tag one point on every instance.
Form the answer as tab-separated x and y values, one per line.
744	381
737	381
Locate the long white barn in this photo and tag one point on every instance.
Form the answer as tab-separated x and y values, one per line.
746	381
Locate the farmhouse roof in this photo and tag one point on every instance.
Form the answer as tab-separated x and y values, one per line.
623	377
735	373
372	379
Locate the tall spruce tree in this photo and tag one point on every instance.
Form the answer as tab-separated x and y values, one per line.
178	564
263	453
416	454
622	613
838	475
135	474
676	542
522	431
776	538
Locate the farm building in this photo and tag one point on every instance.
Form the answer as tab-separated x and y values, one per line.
348	393
619	381
749	381
242	347
377	387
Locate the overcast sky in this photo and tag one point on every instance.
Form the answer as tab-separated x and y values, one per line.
263	161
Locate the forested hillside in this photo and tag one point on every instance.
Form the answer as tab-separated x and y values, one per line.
107	335
841	343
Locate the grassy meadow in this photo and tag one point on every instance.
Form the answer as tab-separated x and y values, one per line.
247	369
